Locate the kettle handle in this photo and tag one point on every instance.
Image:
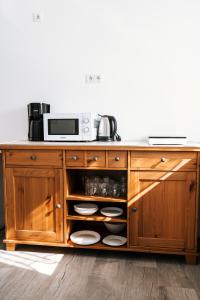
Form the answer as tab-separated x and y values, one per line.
113	127
113	130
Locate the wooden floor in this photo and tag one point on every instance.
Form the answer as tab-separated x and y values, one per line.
34	272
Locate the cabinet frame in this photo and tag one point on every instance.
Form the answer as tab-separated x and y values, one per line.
12	239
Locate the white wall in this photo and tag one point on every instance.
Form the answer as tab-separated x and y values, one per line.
147	51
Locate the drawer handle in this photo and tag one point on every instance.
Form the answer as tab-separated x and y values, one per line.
74	157
33	157
117	158
134	209
95	158
163	159
58	205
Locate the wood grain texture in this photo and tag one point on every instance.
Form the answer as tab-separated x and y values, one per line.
32	196
117	159
163	161
97	218
165	200
72	162
96	159
94	275
81	197
164	210
34	158
10	246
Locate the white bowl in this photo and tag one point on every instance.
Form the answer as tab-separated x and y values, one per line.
115	227
86	209
111	211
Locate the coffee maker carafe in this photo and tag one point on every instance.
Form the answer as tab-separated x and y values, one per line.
35	118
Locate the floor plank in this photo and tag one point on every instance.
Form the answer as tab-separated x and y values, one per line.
178	293
36	272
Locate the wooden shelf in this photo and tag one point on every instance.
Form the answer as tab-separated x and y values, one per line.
81	197
97	217
96	246
68	168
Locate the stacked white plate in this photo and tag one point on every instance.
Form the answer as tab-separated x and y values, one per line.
85	237
111	211
86	209
114	240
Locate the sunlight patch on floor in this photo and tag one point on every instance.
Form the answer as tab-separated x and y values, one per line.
44	263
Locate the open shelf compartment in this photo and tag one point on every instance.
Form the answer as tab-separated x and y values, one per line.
76	180
72	215
99	227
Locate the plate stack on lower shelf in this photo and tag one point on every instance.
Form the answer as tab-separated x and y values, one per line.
108	226
89	237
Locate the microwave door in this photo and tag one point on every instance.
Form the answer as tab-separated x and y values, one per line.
64	129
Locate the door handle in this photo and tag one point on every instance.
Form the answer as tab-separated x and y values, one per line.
58	205
134	209
192	185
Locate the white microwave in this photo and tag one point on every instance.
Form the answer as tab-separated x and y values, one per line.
70	126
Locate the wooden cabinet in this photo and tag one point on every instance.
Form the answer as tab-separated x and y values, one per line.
162	210
34	204
160	203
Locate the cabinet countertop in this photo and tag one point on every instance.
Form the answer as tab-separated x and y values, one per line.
123	145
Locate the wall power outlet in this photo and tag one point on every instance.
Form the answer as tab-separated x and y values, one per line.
93	78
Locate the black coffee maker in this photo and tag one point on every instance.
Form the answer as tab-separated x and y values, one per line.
35	118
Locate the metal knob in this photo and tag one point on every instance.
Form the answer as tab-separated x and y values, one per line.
58	205
134	209
117	158
95	158
33	157
163	159
74	157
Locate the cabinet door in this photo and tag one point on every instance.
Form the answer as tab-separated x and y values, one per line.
34	204
162	210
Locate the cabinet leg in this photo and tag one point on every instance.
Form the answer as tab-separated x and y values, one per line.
191	259
10	246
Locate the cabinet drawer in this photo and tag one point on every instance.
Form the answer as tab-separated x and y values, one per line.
96	159
75	158
168	161
117	159
34	158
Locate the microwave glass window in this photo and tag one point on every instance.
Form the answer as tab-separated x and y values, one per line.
63	126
